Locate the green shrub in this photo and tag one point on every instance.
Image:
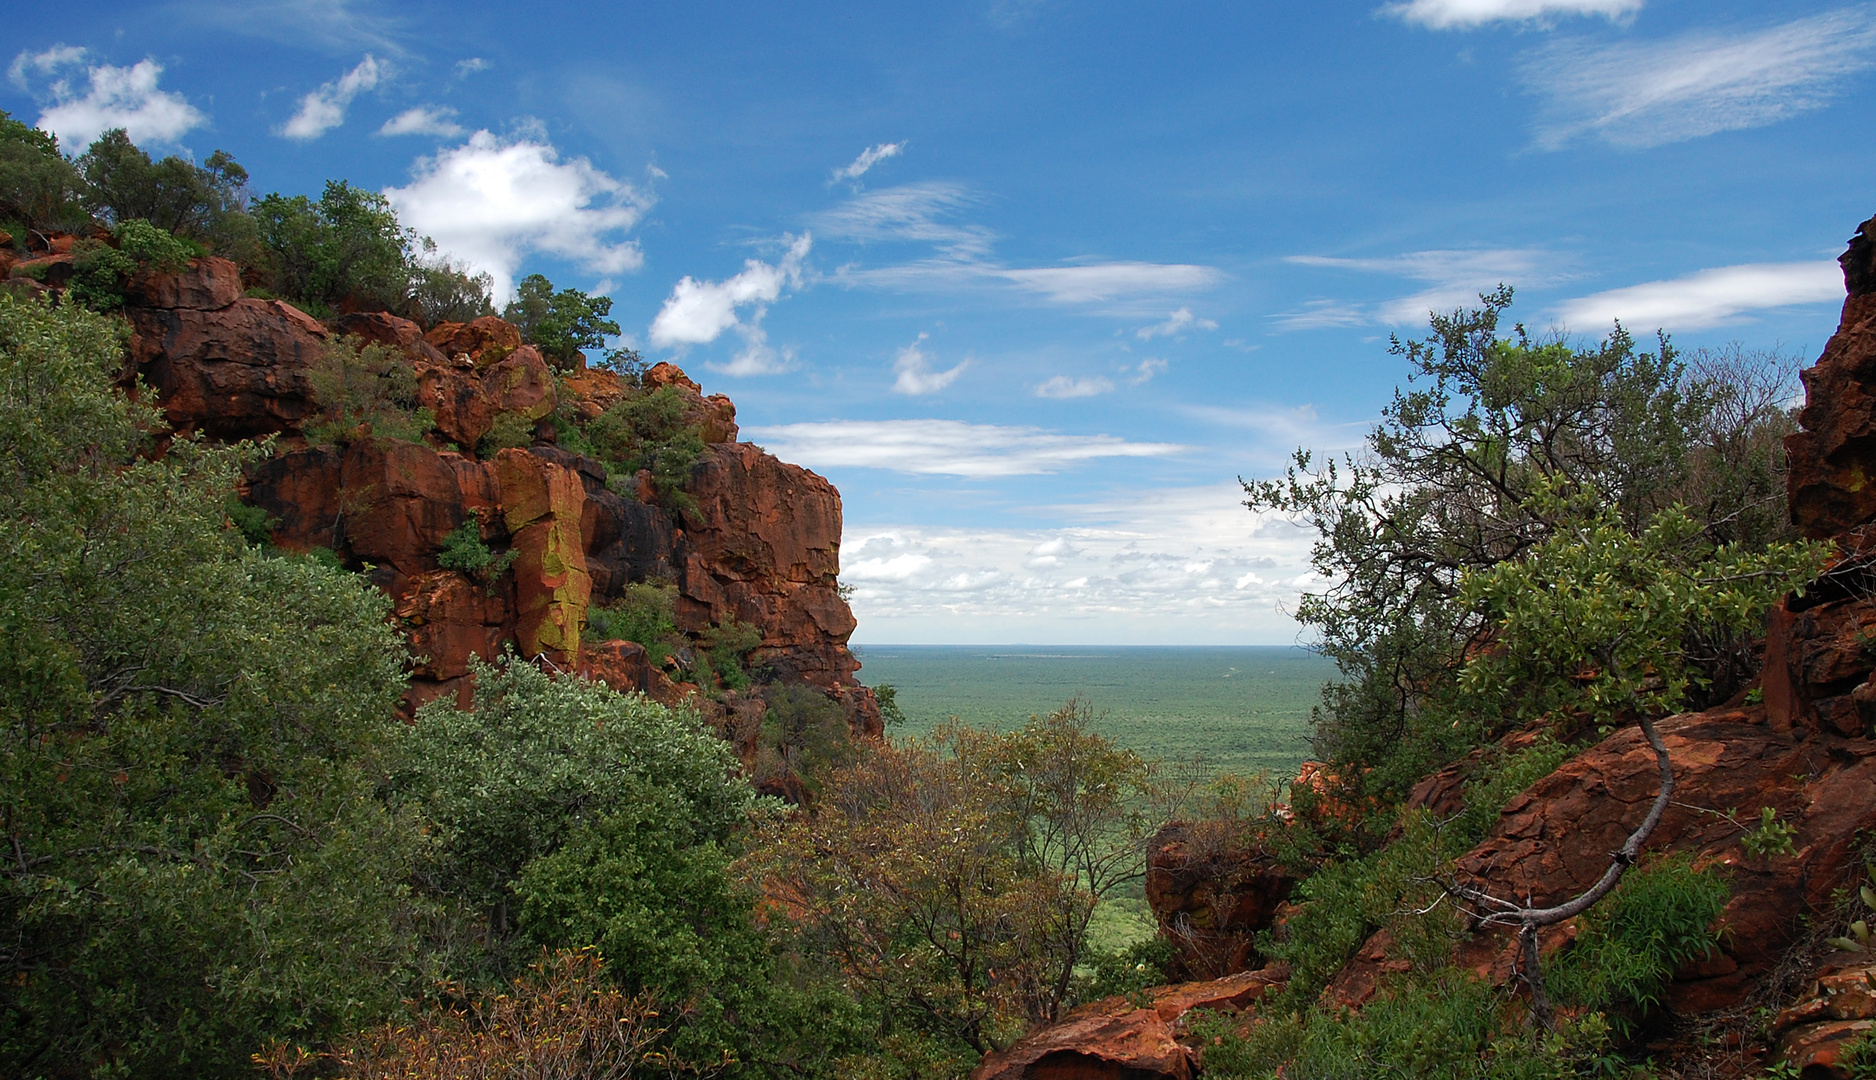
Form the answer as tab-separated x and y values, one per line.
804	734
1452	1027
441	291
1628	946
464	551
649	431
509	431
100	271
645	612
1131	971
346	246
365	388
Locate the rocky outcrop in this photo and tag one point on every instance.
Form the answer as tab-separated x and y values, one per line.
1117	1039
1212	889
758	540
1832	461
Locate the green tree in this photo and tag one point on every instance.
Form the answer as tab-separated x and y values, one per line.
1449	484
39	188
567	815
365	388
560	323
346	247
189	738
206	203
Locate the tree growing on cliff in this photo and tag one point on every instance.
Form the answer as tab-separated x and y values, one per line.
1499	444
559	323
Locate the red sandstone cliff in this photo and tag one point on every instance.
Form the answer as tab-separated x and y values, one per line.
760	542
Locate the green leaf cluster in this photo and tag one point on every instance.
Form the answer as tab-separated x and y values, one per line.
649	431
365	390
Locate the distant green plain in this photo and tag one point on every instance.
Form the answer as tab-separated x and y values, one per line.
1243	709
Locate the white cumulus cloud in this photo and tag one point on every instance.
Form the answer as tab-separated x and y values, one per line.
1707	298
423	120
324	108
110	97
1465	14
698	312
868	158
915	374
944	447
491	201
1176	323
1641	94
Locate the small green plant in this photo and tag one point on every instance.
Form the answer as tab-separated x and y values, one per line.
645	612
1131	971
1755	696
252	522
464	551
1858	939
1628	946
1772	836
727	646
889	711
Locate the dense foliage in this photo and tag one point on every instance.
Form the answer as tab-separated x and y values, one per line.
190	734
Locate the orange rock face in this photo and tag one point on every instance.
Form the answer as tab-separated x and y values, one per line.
234	372
1833	460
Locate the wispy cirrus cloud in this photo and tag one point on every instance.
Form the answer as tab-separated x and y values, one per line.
107	97
333	26
868	158
1643	94
1455	278
915	373
944	447
698	312
1707	298
962	256
490	201
1467	14
324	109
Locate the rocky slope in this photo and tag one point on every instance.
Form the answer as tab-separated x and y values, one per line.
757	540
1801	746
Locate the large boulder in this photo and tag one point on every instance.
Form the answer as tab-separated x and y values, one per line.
1212	890
234	372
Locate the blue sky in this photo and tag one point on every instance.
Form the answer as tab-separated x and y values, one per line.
1034	281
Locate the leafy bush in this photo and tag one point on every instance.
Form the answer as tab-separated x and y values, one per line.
464	551
562	323
189	736
1453	1027
539	759
441	291
365	388
645	612
100	271
725	658
205	203
649	431
561	1019
804	734
1628	946
509	431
